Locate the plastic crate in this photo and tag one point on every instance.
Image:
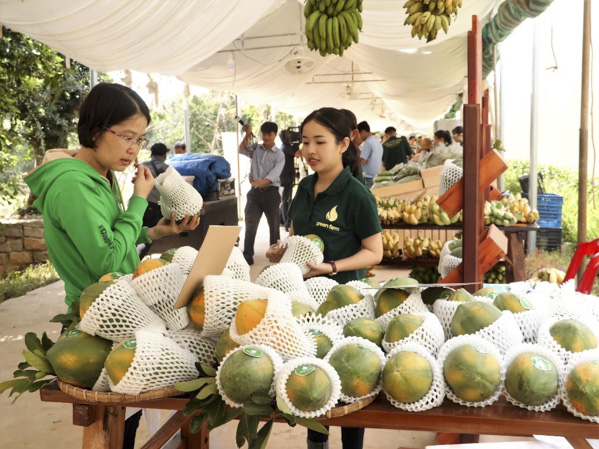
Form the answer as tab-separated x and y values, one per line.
549	206
549	239
523	180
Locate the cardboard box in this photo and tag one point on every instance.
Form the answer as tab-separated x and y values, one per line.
411	189
431	176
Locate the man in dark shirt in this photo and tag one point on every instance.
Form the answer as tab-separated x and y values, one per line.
396	150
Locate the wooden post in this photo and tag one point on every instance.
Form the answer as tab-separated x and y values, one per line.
475	64
584	128
107	431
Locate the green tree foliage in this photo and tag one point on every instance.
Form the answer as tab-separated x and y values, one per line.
40	97
562	181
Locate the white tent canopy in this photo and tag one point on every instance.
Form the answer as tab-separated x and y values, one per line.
388	78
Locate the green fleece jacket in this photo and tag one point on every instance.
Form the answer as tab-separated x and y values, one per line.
86	230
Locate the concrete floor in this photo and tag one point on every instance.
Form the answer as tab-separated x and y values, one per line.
30	423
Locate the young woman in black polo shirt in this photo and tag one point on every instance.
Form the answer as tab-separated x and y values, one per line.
333	204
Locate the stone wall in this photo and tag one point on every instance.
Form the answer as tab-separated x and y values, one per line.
21	244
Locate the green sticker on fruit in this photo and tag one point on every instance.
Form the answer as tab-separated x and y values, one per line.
316	332
445	295
524	302
541	363
72	333
304	370
252	352
492	295
361	346
130	344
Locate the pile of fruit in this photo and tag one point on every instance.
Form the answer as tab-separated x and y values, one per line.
392	243
428	17
552	275
332	25
425	275
422	247
397	175
342	342
510	210
495	275
421	211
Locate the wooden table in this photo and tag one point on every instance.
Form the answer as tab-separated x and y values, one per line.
103	423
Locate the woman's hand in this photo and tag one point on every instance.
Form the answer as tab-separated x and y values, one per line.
275	252
167	227
318	269
143	181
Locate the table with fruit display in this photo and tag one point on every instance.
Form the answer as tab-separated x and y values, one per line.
517	359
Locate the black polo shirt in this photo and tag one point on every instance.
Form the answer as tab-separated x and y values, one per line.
342	216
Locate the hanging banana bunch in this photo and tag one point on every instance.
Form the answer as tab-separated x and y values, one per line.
332	25
428	17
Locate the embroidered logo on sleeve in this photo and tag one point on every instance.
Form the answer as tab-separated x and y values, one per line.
332	214
105	237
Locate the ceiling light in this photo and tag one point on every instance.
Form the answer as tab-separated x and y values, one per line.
231	63
409	50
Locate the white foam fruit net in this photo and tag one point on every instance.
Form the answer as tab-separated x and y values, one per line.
577	359
222	296
363	287
544	353
313	324
445	309
429	335
278	329
530	320
366	345
318	287
185	257
450	174
481	345
362	309
159	289
545	339
413	304
191	339
159	362
568	304
504	332
445	249
237	265
301	250
435	395
301	365
177	195
117	313
447	264
287	278
267	351
103	381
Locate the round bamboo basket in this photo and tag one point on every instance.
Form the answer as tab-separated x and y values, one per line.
343	410
111	397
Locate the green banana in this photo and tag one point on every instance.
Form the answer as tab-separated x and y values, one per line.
336	37
308	8
338	7
430	23
416	7
330	40
312	20
322	27
409	3
358	18
444	23
322	6
349	5
360	6
330	10
342	29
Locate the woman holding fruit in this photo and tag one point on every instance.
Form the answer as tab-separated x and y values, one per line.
87	230
333	204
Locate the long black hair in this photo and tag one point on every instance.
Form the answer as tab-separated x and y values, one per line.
336	121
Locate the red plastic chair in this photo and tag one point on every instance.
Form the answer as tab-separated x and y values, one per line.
590	273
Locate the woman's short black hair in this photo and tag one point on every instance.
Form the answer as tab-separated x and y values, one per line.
458	130
106	105
340	124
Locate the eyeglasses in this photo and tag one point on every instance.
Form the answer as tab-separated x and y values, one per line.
129	142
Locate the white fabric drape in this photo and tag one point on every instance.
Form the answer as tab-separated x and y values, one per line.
194	39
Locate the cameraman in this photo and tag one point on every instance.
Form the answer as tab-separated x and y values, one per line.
291	145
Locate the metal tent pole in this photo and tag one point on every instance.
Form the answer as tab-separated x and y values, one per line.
534	131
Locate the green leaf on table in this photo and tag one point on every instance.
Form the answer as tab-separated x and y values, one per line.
283	406
262	437
28	373
32	342
37	385
193	385
289	418
261	398
47	343
38	362
253	409
207	370
191	406
216	414
231	414
39	375
9	384
67	319
23	365
312	424
21	386
196	423
206	391
247	429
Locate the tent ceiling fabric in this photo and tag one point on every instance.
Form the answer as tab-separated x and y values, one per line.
408	81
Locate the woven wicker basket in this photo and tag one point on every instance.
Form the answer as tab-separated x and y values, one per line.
111	397
346	409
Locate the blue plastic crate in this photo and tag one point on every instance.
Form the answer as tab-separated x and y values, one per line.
549	206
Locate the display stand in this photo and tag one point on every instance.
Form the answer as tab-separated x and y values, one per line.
481	248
